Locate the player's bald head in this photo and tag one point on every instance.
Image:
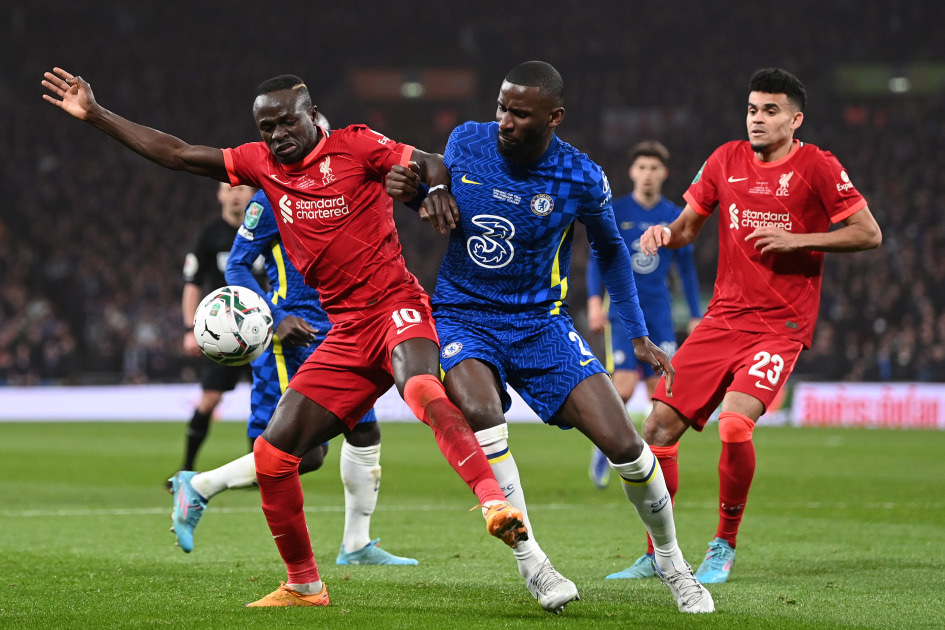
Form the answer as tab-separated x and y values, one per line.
541	75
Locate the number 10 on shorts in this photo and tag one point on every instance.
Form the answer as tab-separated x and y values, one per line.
405	318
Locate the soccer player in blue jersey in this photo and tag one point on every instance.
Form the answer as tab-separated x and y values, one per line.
502	318
634	213
300	326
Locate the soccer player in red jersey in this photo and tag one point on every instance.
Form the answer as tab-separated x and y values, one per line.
336	221
777	198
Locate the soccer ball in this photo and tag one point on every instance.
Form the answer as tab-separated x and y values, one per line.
233	325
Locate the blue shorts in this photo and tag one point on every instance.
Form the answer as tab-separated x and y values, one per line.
542	357
272	371
619	348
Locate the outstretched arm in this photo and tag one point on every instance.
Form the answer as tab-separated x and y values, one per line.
74	95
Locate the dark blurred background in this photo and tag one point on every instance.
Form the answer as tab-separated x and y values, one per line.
93	237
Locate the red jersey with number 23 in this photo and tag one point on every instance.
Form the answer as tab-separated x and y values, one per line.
803	192
335	217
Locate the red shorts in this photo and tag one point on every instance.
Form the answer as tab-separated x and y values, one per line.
713	361
351	369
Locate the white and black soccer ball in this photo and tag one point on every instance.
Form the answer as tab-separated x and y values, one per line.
233	325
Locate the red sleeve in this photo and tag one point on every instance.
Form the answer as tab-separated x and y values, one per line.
243	163
703	194
838	194
379	152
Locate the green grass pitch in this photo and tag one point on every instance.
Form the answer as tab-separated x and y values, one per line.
844	529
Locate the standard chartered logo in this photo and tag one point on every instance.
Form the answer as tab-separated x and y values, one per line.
754	219
285	207
326	208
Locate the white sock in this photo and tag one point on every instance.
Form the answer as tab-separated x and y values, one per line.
312	588
237	474
361	476
494	443
643	483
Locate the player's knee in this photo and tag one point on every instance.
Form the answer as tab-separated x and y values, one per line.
364	434
664	426
313	460
481	417
735	427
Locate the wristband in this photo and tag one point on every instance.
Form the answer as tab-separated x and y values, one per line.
188	328
438	187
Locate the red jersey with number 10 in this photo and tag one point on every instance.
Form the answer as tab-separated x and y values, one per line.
335	217
803	192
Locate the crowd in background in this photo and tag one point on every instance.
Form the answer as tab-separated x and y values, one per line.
92	237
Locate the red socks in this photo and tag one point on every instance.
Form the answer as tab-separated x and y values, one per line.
281	489
668	457
426	397
736	470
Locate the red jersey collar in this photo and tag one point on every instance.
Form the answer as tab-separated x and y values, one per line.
795	145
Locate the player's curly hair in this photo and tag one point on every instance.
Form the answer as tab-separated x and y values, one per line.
650	148
539	74
778	81
286	82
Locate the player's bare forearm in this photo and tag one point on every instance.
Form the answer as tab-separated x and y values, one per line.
189	302
159	147
859	232
433	171
678	234
74	95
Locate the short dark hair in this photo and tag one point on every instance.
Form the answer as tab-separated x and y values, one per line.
778	81
286	82
539	74
650	148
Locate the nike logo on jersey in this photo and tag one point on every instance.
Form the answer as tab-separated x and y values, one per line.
586	361
732	180
466	180
276	179
400	330
763	386
468	457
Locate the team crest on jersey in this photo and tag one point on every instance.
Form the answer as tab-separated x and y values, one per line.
451	349
542	205
253	212
783	184
325	168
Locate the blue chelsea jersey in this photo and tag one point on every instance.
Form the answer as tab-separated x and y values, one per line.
511	250
651	273
288	294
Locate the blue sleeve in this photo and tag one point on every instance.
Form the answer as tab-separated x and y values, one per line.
592	278
253	239
418	200
685	261
610	251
